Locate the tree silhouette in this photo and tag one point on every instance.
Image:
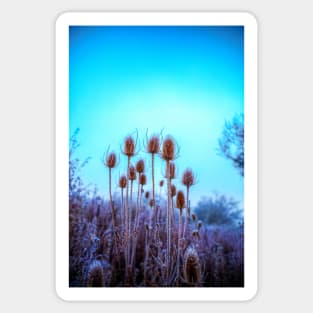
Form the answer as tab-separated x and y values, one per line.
231	143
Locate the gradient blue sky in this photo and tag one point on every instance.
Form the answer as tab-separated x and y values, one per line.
187	80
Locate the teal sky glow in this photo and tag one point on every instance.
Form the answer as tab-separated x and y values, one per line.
187	80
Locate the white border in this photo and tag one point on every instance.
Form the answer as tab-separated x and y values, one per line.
250	181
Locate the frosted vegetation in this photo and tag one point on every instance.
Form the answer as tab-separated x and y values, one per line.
150	237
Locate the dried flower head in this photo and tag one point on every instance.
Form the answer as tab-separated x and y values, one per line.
129	146
142	179
193	217
173	191
192	267
151	203
122	182
147	195
140	166
153	145
199	225
168	149
132	173
180	200
95	275
110	161
172	170
188	178
161	183
195	234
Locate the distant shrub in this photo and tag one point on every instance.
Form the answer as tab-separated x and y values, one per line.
218	210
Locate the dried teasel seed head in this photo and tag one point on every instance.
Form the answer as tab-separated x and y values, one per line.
199	224
168	149
193	217
172	170
147	195
161	183
195	234
142	179
95	275
151	203
180	200
129	146
188	178
173	191
153	145
140	166
110	161
192	267
122	182
132	173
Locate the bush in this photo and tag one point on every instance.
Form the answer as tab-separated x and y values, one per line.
218	210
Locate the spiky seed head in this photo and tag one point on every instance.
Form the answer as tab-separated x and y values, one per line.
188	178
195	234
199	224
147	195
161	183
129	146
151	203
172	170
193	217
153	145
132	173
122	182
140	166
142	179
95	275
168	149
180	200
110	161
192	267
173	191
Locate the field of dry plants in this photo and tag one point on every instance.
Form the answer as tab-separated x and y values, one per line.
147	237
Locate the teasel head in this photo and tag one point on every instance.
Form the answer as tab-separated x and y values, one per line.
199	225
173	191
147	195
188	178
168	152
180	200
110	160
193	217
130	145
132	173
161	183
122	182
151	203
140	166
192	267
153	143
142	179
195	234
95	275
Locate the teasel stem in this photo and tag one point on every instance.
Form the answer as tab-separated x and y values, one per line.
122	208
168	219
111	199
179	244
154	210
187	216
127	216
146	254
130	220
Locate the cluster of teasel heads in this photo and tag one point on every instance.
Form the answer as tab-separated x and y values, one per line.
168	150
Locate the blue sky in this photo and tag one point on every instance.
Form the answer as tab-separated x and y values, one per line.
187	80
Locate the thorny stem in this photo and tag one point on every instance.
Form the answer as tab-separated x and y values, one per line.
111	200
168	220
178	245
187	214
154	212
126	216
